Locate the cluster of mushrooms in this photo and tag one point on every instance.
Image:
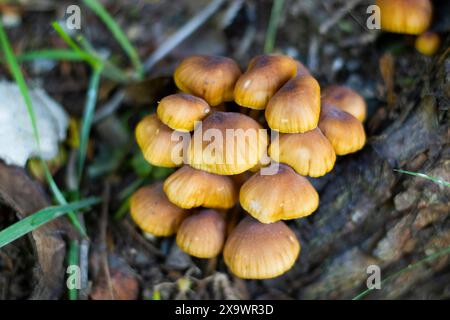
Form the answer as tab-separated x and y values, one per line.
200	201
412	17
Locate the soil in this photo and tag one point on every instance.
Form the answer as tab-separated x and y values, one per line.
369	214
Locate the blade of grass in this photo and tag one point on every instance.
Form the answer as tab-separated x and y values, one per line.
61	200
93	61
53	54
422	175
73	260
117	32
125	196
88	115
131	188
123	209
429	258
20	80
271	34
41	217
181	34
109	69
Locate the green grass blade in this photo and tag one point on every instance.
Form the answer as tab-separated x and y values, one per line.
73	258
41	217
93	61
88	115
65	36
429	258
110	70
53	54
61	200
117	32
422	175
123	209
271	34
20	80
18	76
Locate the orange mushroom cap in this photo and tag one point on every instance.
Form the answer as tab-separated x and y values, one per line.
202	234
154	213
284	195
309	153
428	43
405	16
188	188
209	77
345	132
181	111
158	143
227	143
295	108
264	76
346	99
256	250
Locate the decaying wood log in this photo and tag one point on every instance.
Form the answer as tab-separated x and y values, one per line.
26	196
370	214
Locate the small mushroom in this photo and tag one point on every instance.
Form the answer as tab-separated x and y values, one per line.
284	195
209	77
227	143
181	111
295	108
260	251
202	234
154	213
157	142
309	153
345	132
302	70
264	76
428	43
188	188
405	16
346	99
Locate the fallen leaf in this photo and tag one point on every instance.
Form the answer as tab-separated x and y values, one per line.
17	141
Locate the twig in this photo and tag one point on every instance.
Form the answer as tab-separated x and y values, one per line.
129	229
182	34
338	15
313	54
174	40
249	33
84	266
103	229
275	15
110	107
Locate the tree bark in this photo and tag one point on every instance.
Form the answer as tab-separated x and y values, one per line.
371	215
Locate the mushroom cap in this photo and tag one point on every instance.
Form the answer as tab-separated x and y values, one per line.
405	16
159	144
264	76
344	131
295	108
428	43
154	213
302	70
346	99
309	153
283	196
188	188
180	111
227	143
209	77
260	251
202	234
